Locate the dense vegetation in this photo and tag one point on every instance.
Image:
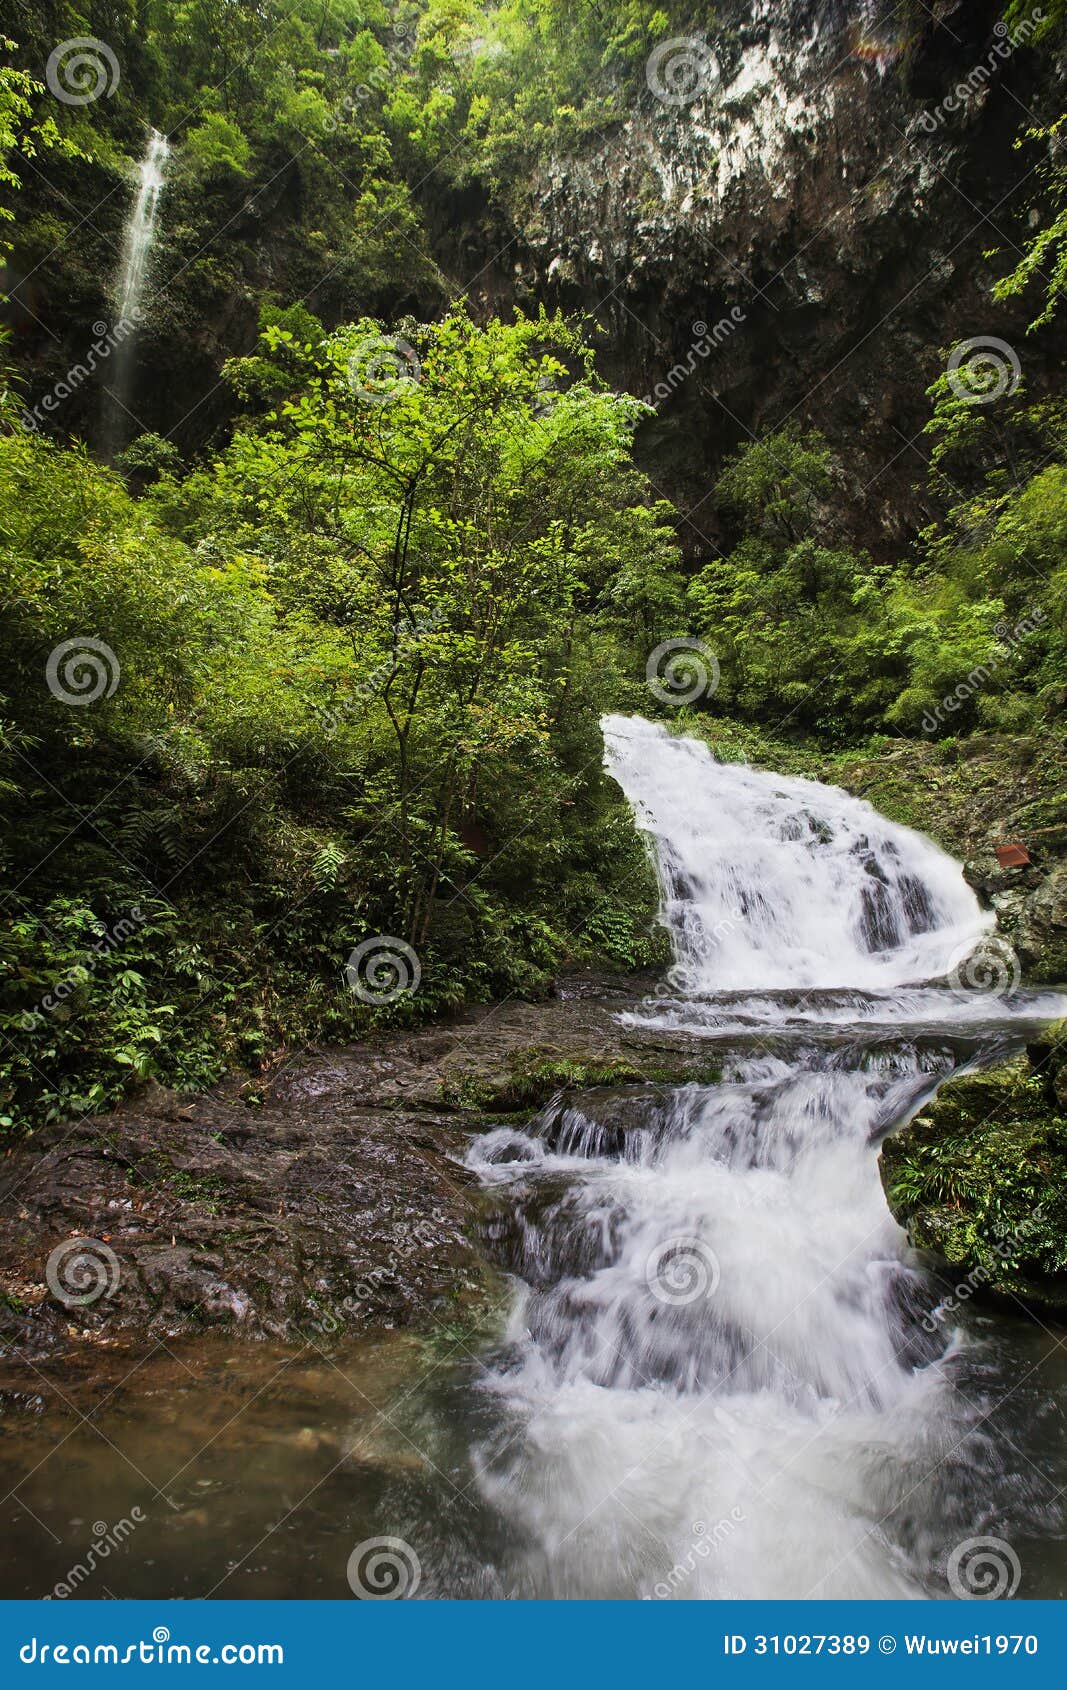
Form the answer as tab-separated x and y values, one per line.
360	643
964	631
979	1178
349	125
347	684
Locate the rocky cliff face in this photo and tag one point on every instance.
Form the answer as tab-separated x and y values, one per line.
788	222
805	234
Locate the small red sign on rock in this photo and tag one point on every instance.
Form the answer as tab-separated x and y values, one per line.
1012	856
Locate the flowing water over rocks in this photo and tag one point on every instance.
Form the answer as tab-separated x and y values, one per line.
715	1368
724	1376
770	881
140	227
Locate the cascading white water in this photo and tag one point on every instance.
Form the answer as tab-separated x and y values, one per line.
711	1352
137	239
140	226
723	1377
771	881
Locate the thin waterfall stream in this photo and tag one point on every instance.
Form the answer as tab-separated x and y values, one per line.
137	240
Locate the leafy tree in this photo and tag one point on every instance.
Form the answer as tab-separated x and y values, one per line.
429	501
1045	255
20	135
779	485
217	147
792	617
358	665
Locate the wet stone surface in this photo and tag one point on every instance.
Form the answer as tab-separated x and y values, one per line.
336	1201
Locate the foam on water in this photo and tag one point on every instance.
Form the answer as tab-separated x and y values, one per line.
772	881
724	1375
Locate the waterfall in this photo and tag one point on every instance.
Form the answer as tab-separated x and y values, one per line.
724	1375
713	1342
771	881
137	239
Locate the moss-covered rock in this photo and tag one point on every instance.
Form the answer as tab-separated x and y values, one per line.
979	1177
327	1199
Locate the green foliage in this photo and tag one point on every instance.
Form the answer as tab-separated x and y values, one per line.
148	457
275	113
965	632
358	666
96	994
216	147
793	618
1044	259
979	1178
533	1080
491	88
21	137
425	505
333	111
1051	17
364	646
778	486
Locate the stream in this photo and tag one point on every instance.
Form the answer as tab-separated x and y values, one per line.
720	1371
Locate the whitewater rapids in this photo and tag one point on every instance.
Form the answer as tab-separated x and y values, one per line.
724	1373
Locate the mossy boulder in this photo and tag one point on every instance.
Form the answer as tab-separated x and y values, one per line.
979	1178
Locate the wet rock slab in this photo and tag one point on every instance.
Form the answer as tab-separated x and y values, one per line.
315	1211
331	1199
